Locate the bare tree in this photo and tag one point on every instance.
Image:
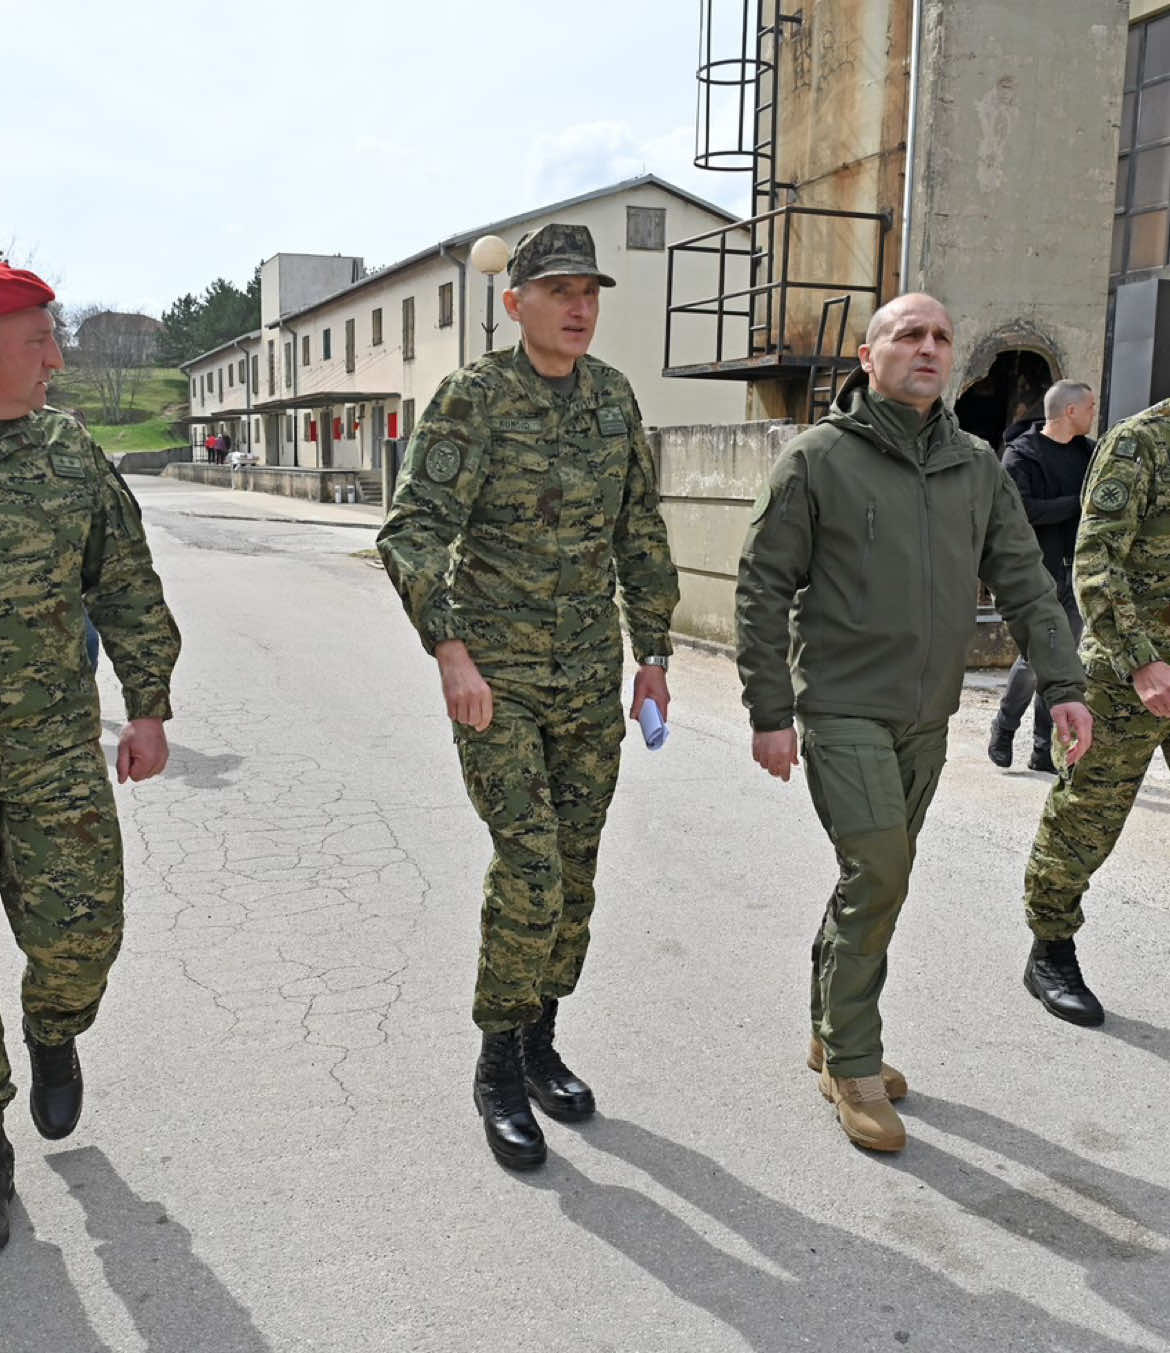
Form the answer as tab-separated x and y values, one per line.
113	355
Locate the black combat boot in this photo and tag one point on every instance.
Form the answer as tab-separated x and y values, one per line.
1041	759
55	1097
7	1182
512	1133
999	749
550	1082
1053	976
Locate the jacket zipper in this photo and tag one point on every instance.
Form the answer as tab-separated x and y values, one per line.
928	588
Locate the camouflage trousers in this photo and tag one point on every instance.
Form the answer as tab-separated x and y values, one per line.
61	884
541	776
871	784
1088	806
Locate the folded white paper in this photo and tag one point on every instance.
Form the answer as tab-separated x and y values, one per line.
653	729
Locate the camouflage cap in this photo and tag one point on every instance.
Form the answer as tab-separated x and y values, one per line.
556	251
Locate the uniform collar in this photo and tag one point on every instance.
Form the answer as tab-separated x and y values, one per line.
543	394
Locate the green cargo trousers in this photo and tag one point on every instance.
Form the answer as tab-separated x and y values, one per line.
871	784
1087	807
541	776
61	884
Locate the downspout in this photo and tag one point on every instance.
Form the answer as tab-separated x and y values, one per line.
247	394
444	252
911	141
296	357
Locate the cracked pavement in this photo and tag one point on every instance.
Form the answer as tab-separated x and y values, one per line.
279	1151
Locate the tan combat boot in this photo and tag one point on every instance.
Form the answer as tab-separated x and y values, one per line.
864	1111
892	1078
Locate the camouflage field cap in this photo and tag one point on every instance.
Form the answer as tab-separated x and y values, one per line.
556	251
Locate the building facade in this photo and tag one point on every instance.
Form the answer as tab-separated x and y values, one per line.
345	360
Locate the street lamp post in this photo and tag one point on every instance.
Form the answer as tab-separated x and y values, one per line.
489	254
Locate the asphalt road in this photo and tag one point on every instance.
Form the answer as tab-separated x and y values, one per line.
279	1151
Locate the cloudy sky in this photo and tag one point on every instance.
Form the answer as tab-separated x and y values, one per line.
157	148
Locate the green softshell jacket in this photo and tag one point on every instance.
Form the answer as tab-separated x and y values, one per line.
858	583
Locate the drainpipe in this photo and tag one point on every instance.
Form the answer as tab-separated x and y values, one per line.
296	357
444	252
247	394
911	141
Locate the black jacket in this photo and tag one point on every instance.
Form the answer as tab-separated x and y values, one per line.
1049	475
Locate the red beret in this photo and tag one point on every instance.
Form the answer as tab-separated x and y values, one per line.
21	290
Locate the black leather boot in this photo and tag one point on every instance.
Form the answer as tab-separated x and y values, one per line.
55	1097
550	1082
999	748
7	1183
512	1133
1053	976
1041	759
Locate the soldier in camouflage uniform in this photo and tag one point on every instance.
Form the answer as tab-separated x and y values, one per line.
70	538
1121	573
528	489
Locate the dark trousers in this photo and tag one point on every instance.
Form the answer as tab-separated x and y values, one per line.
1021	687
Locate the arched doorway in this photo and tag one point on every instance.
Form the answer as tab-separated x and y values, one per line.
1008	398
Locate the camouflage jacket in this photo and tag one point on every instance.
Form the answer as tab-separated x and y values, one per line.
1121	571
516	510
71	533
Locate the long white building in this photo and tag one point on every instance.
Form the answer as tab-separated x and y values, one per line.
344	359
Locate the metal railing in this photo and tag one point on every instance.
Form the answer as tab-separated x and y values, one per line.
766	297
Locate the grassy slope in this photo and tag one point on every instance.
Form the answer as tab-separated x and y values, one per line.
162	395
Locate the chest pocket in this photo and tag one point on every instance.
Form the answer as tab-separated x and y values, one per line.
521	483
44	519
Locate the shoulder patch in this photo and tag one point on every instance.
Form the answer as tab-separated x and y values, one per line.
1126	448
611	421
1110	495
443	461
67	465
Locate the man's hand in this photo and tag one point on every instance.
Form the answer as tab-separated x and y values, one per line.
650	684
468	696
776	752
142	750
1152	683
1073	724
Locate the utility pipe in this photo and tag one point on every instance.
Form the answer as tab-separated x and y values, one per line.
911	142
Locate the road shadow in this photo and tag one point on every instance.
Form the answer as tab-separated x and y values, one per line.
836	1290
40	1309
176	1302
1125	1260
1138	1034
186	764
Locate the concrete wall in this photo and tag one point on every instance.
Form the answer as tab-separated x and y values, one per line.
317	486
150	462
292	281
1143	9
1015	171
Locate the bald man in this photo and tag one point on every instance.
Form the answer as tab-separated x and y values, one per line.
855	610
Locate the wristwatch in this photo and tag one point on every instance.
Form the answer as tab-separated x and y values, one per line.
656	660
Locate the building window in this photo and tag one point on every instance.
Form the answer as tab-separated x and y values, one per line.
376	327
255	429
1141	225
350	422
256	372
290	426
645	227
305	350
408	329
326	344
243	369
446	305
307	427
231	374
407	417
219	382
271	368
202	400
288	365
192	387
350	344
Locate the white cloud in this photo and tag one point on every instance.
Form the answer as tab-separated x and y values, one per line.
589	155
